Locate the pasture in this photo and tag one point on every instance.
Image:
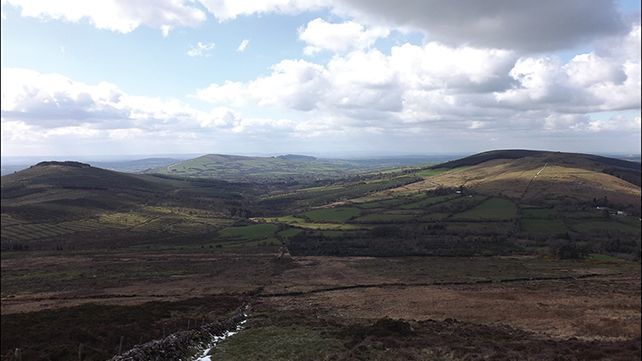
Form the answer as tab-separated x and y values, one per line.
493	208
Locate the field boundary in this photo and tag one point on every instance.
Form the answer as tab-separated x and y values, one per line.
436	283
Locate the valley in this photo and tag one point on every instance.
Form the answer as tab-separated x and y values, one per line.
503	255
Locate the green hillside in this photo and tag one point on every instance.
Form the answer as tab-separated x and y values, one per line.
55	203
285	168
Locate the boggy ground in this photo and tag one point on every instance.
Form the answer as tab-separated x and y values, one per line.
315	308
491	308
307	332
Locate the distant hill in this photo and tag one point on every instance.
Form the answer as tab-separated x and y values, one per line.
130	166
283	168
296	157
494	195
68	190
538	177
624	169
137	165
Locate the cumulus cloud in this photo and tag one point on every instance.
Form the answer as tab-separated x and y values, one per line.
596	81
53	100
503	24
115	15
225	10
243	45
439	86
320	35
615	123
50	112
369	85
294	84
201	49
54	103
507	24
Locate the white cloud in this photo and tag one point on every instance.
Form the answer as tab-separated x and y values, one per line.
436	86
615	123
506	24
201	49
372	85
320	35
52	100
225	10
243	45
609	80
293	84
52	109
54	103
115	15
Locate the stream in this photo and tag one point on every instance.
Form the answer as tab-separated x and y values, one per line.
205	355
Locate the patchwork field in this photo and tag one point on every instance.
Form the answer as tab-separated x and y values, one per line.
467	261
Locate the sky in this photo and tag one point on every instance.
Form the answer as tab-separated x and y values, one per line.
338	78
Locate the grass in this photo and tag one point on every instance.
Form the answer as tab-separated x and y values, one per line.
125	219
604	258
332	215
251	232
538	213
427	202
290	232
431	172
488	228
543	226
393	202
384	218
600	226
273	343
444	269
35	231
303	223
331	226
493	208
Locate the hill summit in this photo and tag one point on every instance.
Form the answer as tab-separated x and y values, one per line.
67	163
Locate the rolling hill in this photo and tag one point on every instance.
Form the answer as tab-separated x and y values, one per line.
501	202
54	202
537	177
283	168
494	194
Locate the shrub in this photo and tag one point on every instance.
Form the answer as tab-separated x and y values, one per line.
572	250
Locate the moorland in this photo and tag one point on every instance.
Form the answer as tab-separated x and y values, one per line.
503	255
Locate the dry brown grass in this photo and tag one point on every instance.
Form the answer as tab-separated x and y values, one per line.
588	309
512	178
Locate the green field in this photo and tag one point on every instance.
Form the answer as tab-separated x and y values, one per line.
251	232
384	218
543	226
493	208
279	168
431	172
332	215
290	232
427	202
274	343
386	203
538	213
600	226
479	227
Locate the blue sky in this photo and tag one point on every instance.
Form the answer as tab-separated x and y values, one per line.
324	77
